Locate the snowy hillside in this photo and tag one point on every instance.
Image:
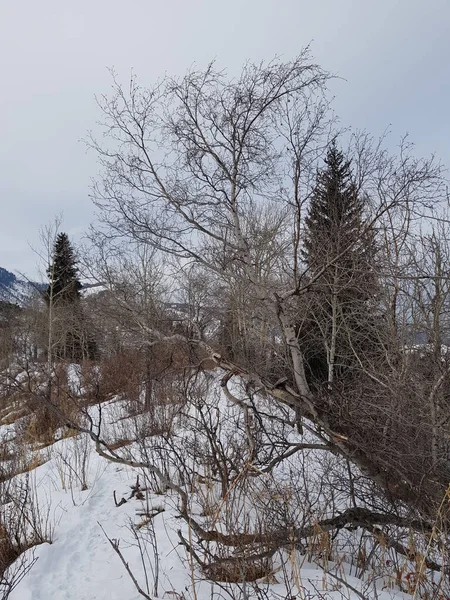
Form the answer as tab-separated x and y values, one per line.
79	499
81	564
14	289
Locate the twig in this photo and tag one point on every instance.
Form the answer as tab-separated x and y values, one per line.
115	546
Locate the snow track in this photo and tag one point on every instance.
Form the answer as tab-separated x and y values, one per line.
81	564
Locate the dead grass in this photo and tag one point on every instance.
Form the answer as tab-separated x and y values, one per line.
35	462
14	415
40	427
6	453
15	539
120	443
69	433
239	570
12	408
9	551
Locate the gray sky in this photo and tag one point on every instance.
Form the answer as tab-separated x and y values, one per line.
54	54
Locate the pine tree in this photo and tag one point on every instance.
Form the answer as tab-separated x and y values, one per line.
64	287
67	321
339	251
334	230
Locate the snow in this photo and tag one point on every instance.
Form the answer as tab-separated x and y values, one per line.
81	564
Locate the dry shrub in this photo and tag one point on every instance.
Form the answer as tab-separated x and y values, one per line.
13	405
48	416
35	462
7	471
144	377
6	453
152	424
22	526
118	374
8	550
39	428
18	465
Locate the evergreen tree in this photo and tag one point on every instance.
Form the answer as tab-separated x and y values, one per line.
64	287
71	338
339	252
334	230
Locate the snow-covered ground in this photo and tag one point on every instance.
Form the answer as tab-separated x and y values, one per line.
82	564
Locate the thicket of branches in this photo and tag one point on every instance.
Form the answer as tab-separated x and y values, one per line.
220	173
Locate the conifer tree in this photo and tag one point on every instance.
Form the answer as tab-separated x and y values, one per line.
339	251
63	297
336	232
64	287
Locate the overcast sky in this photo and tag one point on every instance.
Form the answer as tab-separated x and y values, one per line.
54	54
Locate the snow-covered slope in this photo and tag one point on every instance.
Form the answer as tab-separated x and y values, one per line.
81	564
16	290
78	498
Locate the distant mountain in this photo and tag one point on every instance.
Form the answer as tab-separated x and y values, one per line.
15	290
